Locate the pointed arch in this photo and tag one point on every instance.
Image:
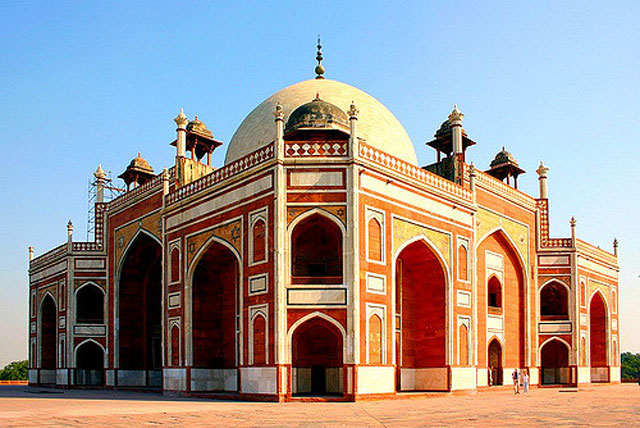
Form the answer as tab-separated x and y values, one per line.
175	343
90	302
203	249
90	360
463	262
559	339
495	360
599	341
129	246
496	252
292	225
190	315
604	300
554	297
259	340
323	316
420	294
440	257
463	343
513	245
317	353
138	288
317	262
554	354
48	331
84	342
47	293
374	239
494	292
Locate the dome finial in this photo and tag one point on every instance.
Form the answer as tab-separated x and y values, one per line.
319	68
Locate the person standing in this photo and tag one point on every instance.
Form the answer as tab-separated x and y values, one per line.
525	381
491	376
516	381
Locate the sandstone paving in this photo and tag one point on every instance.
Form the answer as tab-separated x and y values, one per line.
604	406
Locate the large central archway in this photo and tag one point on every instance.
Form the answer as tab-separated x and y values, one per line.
502	303
317	358
140	314
421	308
214	308
598	339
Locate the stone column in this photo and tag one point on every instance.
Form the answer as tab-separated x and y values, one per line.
101	179
542	176
353	121
181	142
279	118
572	223
455	120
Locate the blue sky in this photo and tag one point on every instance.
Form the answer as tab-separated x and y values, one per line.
88	83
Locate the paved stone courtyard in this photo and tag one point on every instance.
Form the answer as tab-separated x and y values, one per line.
616	405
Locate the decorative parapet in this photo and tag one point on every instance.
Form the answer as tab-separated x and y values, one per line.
493	185
414	172
48	257
316	149
545	241
249	161
596	252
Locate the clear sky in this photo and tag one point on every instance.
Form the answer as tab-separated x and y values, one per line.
88	83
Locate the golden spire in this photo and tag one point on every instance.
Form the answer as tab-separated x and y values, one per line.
319	67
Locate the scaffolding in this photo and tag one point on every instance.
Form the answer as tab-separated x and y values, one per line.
99	189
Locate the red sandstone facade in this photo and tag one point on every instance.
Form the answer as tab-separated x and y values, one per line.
323	261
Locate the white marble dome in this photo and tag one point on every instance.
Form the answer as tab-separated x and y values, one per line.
376	124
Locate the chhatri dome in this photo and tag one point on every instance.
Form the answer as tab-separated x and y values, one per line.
376	124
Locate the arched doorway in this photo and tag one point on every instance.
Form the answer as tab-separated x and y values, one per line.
495	362
554	302
316	358
140	314
316	251
90	305
598	339
214	306
48	338
421	309
554	360
89	364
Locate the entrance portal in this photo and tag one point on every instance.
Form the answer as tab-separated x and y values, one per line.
140	312
89	364
598	339
214	308
421	319
495	362
317	360
554	357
